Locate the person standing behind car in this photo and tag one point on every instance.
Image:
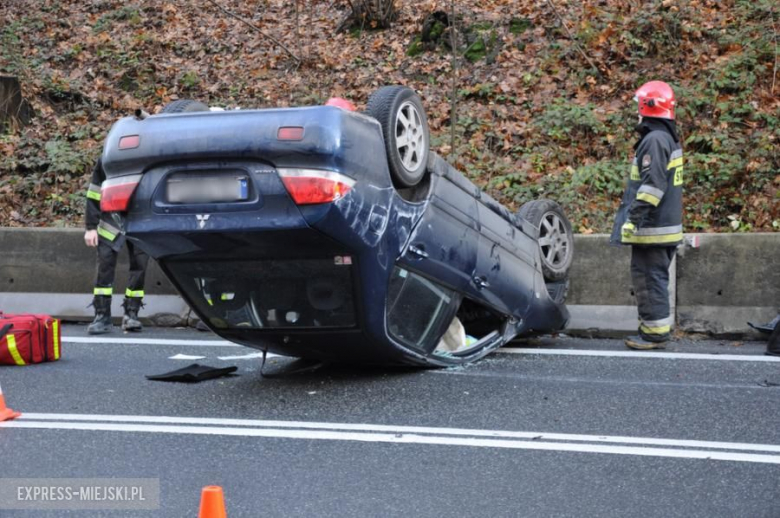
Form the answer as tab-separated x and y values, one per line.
101	232
650	216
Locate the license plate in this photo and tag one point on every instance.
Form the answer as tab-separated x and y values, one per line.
208	189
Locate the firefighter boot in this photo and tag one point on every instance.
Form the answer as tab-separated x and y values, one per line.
640	343
102	322
130	321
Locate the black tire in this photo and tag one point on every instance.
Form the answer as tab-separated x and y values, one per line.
400	112
184	106
558	290
556	239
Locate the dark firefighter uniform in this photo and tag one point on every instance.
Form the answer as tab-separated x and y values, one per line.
650	220
110	241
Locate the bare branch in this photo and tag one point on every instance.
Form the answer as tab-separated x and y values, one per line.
298	27
774	69
454	93
258	29
573	39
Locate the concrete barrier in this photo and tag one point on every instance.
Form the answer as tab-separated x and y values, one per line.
716	288
46	270
729	280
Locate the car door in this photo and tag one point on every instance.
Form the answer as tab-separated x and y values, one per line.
504	276
443	245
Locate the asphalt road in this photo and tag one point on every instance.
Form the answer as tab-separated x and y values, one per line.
574	427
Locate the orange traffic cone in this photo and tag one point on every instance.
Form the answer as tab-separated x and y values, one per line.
5	412
212	503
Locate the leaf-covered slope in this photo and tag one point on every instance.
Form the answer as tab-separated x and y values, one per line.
544	90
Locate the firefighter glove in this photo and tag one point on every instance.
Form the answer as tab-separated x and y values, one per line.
628	230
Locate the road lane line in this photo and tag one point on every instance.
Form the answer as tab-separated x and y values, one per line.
363	427
146	341
397	438
636	354
507	350
515	376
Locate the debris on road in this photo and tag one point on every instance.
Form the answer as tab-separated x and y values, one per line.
194	373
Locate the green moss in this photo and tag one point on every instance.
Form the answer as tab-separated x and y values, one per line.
415	48
436	31
519	25
476	50
480	26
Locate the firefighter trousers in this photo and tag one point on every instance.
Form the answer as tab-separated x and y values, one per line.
650	277
106	269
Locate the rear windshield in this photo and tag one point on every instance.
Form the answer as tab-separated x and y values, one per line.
270	294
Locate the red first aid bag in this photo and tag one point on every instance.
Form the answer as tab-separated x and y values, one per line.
27	338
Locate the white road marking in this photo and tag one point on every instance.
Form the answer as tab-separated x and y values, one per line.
186	357
250	356
641	354
405	435
146	341
507	350
362	427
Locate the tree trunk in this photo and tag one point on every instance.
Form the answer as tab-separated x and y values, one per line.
14	110
369	14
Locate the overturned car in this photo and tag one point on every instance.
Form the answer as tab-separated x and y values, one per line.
322	232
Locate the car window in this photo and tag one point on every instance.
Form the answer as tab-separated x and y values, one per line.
293	294
418	309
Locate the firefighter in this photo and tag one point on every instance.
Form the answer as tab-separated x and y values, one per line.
103	232
650	216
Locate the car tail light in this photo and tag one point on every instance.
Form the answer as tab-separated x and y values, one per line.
129	142
115	194
310	186
290	133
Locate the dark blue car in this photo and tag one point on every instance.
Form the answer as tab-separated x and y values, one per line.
325	233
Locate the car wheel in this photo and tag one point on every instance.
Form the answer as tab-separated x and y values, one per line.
405	127
184	106
556	239
558	290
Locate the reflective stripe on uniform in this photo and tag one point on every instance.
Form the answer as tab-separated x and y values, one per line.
106	234
658	323
107	231
659	231
135	294
103	291
649	198
11	339
677	162
55	328
660	330
653	240
635	172
93	193
675	159
649	189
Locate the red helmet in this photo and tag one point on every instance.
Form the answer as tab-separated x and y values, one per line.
656	99
340	102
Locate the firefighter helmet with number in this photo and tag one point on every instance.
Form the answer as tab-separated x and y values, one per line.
656	99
